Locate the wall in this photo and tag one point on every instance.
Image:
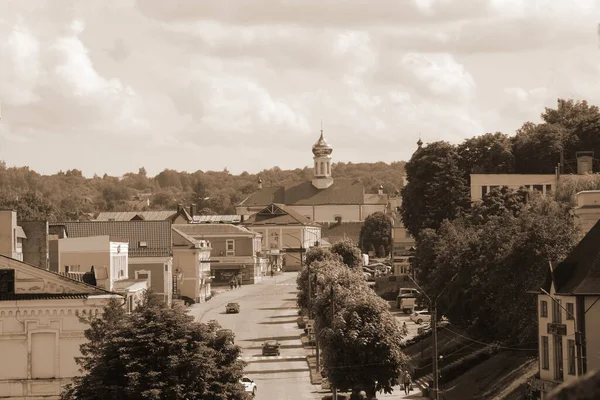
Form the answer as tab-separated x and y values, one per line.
85	252
587	211
592	332
41	338
190	262
513	181
54	256
161	281
327	213
243	245
368	209
36	247
8	227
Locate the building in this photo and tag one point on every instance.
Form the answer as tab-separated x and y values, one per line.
236	251
569	316
179	216
191	263
149	248
40	329
12	235
286	235
587	210
485	183
36	249
323	199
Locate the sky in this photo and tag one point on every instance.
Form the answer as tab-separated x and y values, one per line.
109	86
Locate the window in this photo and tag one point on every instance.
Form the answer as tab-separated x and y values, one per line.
274	240
142	244
558	358
144	274
483	191
328	168
230	247
322	168
571	355
7	281
556	312
539	188
570	311
548	189
545	353
544	309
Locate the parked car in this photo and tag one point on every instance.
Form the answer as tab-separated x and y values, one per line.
249	385
426	327
408	292
421	316
270	348
232	308
227	332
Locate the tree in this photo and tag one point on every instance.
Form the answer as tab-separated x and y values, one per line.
30	206
490	153
155	353
537	148
316	258
349	252
361	344
498	201
376	231
436	189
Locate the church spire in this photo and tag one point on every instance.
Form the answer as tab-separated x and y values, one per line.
322	158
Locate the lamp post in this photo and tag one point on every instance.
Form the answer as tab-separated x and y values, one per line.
578	341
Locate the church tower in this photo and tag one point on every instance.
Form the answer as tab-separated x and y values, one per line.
322	156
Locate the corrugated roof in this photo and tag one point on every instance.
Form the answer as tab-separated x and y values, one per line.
156	234
216	219
42	296
278	214
199	230
340	192
128	215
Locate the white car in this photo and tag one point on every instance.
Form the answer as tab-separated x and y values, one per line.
421	316
249	385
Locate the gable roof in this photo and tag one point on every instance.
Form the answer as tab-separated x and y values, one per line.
45	284
579	272
341	191
214	219
208	230
278	214
140	215
183	239
156	234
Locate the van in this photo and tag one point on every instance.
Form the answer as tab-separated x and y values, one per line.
407	292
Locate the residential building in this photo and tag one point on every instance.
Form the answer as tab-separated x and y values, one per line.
236	251
179	216
150	254
286	235
587	210
191	262
11	235
40	329
569	316
323	199
484	183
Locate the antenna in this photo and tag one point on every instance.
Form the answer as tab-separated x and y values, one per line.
321	125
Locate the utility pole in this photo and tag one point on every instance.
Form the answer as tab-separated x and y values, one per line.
435	352
334	389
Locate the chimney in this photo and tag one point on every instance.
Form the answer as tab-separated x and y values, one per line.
179	208
380	192
260	183
585	161
192	210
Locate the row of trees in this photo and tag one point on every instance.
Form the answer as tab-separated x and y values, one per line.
156	352
359	337
488	256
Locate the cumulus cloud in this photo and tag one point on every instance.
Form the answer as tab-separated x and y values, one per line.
205	85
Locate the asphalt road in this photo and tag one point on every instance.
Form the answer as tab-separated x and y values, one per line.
267	311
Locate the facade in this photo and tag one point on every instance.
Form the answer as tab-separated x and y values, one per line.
569	316
236	251
150	251
484	183
40	329
323	199
36	246
286	236
11	235
191	262
587	210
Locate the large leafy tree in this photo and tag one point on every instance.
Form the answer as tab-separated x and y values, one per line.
30	206
360	339
155	353
436	189
376	231
537	147
316	258
490	153
349	252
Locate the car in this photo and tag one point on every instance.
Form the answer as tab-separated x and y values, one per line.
270	348
227	332
249	385
421	316
232	308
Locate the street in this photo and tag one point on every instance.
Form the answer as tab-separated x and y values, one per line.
267	311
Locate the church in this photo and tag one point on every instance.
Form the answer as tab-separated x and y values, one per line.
323	199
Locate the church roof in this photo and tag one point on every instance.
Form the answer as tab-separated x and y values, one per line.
340	192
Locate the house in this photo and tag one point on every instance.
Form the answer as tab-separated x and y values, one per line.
323	199
179	216
150	254
587	211
236	251
191	262
569	316
286	235
12	235
481	184
40	329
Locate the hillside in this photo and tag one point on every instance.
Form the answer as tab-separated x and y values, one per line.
71	196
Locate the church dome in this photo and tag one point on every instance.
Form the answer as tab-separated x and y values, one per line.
321	147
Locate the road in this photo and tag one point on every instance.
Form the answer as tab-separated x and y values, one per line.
267	311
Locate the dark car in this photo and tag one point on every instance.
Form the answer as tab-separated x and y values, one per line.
232	308
270	348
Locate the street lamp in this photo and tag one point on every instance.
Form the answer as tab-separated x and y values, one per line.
578	341
433	305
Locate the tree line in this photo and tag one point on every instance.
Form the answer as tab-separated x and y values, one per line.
487	256
69	196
